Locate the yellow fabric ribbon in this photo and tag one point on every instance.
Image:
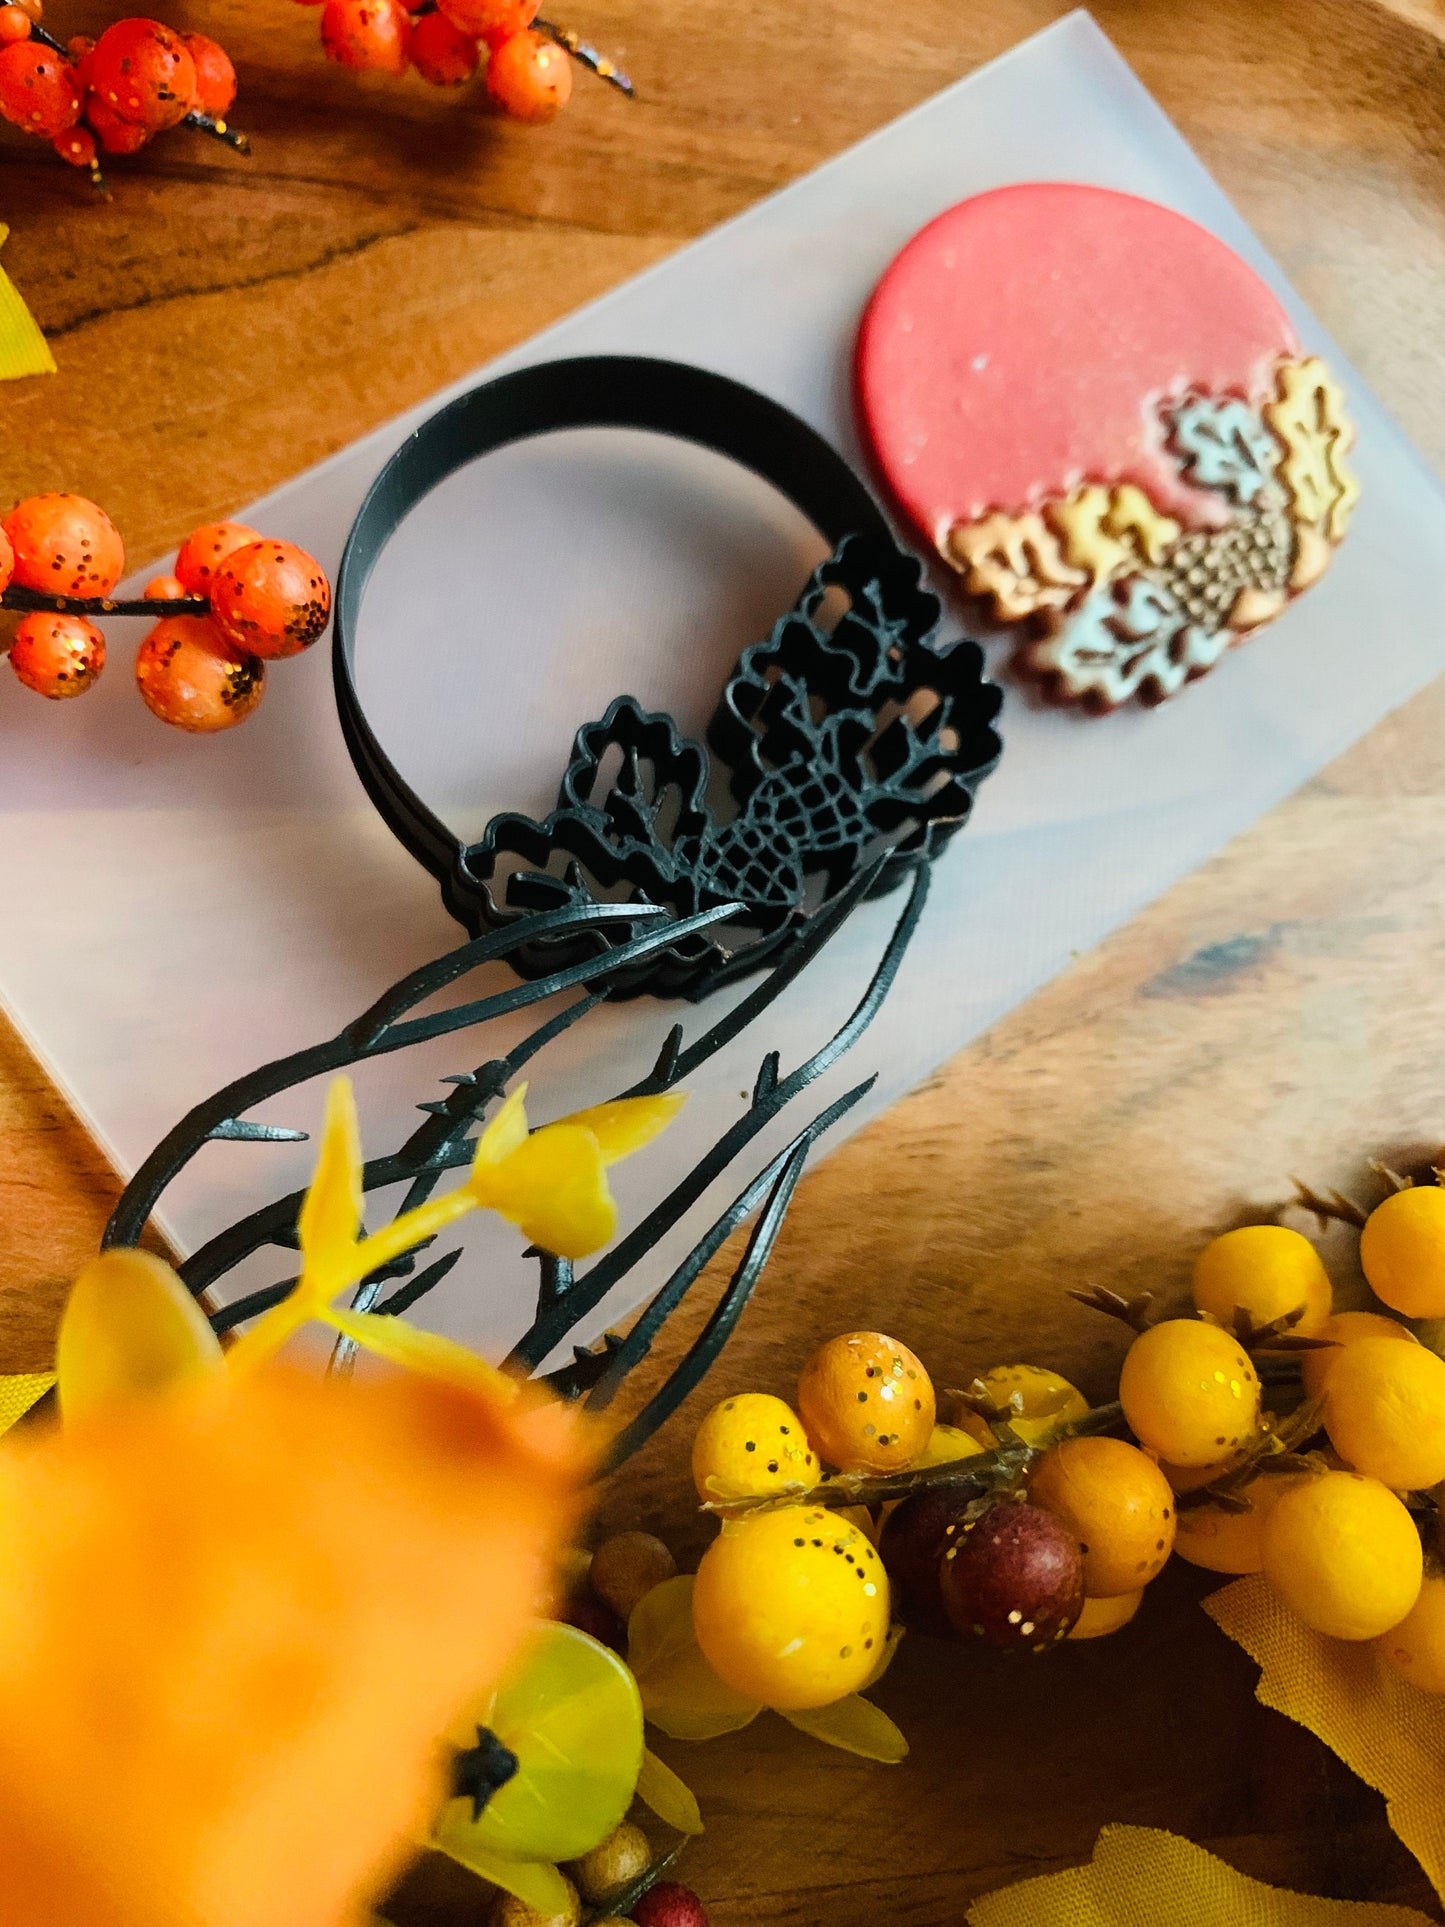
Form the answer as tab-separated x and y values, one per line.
23	349
1140	1875
18	1392
1385	1730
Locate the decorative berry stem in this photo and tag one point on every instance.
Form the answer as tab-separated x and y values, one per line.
37	601
845	1489
218	130
586	56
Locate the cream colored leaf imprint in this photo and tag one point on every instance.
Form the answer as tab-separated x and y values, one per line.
1017	561
1310	419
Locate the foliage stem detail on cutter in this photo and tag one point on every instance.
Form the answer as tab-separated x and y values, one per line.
447	1139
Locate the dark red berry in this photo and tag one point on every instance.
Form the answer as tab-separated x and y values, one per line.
669	1905
588	1614
915	1536
1014	1579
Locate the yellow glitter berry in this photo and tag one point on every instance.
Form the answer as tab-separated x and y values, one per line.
1343	1554
751	1445
867	1403
1118	1505
947	1443
1267	1271
1036	1402
1344	1329
1416	1647
1402	1249
1385	1412
1103	1616
1221	1540
1189	1392
790	1607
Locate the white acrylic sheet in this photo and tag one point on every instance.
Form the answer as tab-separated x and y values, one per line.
177	910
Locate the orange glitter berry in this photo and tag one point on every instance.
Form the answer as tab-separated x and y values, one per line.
271	598
368	35
38	89
491	20
144	73
441	52
205	549
529	77
215	76
64	545
191	677
57	655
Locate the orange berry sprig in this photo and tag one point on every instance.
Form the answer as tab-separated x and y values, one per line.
237	601
114	94
528	75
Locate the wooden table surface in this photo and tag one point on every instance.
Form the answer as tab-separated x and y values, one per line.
222	323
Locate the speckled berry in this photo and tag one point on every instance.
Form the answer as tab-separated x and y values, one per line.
790	1607
612	1865
270	598
38	89
199	558
14	25
64	545
1038	1404
509	1911
1189	1392
529	77
1116	1503
1014	1579
369	36
215	75
57	655
115	134
867	1403
7	561
750	1445
915	1536
143	71
191	677
626	1567
76	147
1100	1617
669	1904
490	20
442	54
1266	1271
165	588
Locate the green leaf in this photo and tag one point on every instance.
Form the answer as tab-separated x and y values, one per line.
857	1726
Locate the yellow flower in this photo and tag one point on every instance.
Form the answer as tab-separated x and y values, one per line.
552	1183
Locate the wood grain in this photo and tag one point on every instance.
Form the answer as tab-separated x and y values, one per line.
221	323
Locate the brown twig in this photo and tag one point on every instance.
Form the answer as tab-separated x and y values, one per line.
984	1472
1133	1312
1393	1178
1332	1205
